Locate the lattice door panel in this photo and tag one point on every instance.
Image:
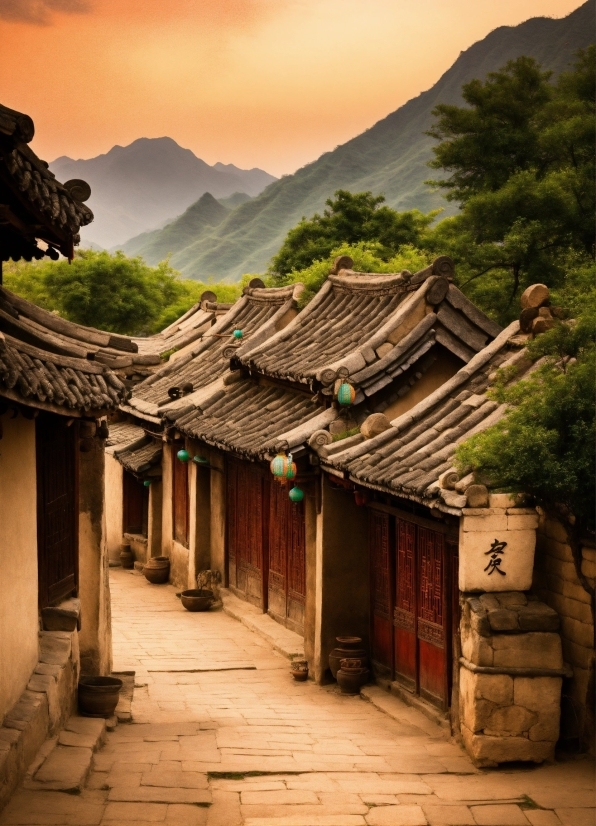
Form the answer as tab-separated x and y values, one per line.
379	532
404	614
287	558
432	609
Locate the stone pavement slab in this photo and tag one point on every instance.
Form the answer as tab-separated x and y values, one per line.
222	736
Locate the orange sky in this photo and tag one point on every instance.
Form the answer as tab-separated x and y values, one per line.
269	83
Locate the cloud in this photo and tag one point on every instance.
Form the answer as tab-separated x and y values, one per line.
39	12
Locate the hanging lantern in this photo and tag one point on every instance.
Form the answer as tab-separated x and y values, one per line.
345	394
183	455
147	483
296	494
200	460
238	334
283	468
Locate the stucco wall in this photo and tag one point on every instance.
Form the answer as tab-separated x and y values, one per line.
443	369
557	583
114	499
18	558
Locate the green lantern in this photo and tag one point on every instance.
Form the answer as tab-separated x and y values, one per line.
296	494
345	394
183	455
200	460
238	334
147	483
283	468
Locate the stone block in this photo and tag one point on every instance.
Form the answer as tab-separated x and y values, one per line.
498	688
476	649
484	520
489	751
477	496
54	647
501	500
489	602
63	617
503	620
542	694
581	633
512	573
537	616
531	650
526	522
65	769
474	711
589	568
569	607
510	720
512	599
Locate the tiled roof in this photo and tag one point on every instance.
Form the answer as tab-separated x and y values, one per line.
40	206
140	458
47	380
257	314
254	419
410	457
124	433
351	328
185	330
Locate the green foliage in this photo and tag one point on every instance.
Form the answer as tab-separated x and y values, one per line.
520	159
110	292
350	219
367	257
544	446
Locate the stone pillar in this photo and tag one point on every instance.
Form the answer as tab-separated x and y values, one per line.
94	589
510	678
217	526
114	506
342	589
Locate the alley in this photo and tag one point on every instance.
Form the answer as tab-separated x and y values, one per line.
222	736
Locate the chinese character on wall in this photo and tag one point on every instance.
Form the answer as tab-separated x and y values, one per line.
497	550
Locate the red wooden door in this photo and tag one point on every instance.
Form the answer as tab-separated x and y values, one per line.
287	558
432	616
180	497
380	529
405	613
247	520
135	505
57	508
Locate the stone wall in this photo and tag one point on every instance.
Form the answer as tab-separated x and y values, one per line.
510	678
557	583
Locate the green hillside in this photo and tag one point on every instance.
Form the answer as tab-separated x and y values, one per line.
389	158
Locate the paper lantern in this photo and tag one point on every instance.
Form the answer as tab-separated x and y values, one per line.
200	460
296	494
345	394
283	468
183	455
147	483
238	334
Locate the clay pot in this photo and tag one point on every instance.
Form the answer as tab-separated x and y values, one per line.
157	570
197	599
349	647
352	664
98	696
351	681
127	558
300	670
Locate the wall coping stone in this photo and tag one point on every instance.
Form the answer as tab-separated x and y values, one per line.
566	671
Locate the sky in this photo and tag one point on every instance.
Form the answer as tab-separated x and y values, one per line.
266	83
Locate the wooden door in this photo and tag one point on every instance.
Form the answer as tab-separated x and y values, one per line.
247	522
405	612
57	508
287	558
380	529
135	505
180	497
433	600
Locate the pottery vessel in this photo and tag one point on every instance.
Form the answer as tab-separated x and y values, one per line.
300	670
127	558
98	696
350	682
197	599
157	569
349	647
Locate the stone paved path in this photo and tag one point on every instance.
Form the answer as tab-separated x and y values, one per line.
222	736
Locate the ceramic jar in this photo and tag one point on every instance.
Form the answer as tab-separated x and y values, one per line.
300	670
98	696
127	558
348	647
157	569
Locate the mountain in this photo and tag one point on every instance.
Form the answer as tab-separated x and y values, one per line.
154	246
140	187
388	158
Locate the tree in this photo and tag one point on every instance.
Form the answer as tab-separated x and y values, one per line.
520	161
349	219
110	292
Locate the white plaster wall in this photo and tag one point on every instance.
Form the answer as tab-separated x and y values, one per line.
18	559
114	500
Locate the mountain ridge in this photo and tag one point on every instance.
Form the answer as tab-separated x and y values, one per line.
389	158
141	186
